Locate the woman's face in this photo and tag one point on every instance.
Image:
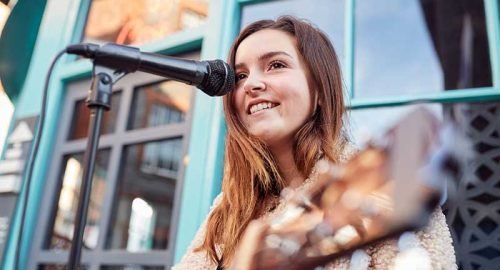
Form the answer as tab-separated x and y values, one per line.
273	95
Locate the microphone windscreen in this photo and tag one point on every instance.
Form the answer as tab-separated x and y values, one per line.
220	79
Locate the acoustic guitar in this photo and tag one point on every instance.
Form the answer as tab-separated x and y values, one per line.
390	186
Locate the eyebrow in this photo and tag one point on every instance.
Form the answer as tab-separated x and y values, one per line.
266	56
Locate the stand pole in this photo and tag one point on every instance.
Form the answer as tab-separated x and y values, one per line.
86	186
99	99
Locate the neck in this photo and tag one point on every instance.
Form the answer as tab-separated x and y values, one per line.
287	166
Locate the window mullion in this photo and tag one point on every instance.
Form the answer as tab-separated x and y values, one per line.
107	204
493	30
114	165
462	95
349	43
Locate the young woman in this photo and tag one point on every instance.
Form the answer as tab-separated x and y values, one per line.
284	115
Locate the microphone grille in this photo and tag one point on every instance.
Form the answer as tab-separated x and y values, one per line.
220	79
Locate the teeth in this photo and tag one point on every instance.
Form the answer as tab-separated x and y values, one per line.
261	106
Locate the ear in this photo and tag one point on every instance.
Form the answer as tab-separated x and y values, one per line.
316	102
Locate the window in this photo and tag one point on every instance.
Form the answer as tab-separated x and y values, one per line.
328	15
140	21
159	104
64	221
80	121
419	46
143	209
131	221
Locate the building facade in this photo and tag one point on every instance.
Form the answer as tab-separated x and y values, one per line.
160	157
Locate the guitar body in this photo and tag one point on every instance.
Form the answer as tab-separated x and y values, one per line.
390	186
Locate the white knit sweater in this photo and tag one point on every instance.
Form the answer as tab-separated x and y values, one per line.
435	239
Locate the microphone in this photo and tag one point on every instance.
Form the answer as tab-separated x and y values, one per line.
215	77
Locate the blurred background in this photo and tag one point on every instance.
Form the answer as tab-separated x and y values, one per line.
160	160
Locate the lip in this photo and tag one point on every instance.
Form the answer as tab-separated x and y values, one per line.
257	101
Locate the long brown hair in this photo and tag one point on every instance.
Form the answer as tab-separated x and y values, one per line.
252	179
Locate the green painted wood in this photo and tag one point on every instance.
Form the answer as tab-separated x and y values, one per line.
349	46
464	95
492	13
17	42
250	2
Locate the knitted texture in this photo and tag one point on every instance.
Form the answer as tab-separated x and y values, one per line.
435	238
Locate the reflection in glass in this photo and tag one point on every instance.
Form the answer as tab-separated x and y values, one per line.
131	267
420	46
81	118
139	21
160	104
473	202
328	15
366	123
144	203
62	231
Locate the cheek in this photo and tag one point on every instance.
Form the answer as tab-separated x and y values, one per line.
305	98
238	100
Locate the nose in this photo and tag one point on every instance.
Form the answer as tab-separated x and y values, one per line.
254	83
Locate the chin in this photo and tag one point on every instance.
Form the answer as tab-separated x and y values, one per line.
270	139
264	135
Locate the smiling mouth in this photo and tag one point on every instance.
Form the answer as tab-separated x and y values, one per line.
261	106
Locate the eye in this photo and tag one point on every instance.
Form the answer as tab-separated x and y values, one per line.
240	76
276	64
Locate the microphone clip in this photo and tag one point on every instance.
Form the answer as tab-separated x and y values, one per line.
101	89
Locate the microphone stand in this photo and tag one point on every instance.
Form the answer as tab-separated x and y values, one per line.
99	99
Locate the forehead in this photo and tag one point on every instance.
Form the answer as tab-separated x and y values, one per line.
264	41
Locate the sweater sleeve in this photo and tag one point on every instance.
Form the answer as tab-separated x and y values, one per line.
435	238
198	260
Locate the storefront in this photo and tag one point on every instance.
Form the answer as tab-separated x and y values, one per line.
160	157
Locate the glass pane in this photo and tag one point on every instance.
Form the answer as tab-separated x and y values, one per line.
160	104
59	267
420	46
81	118
139	21
366	123
63	226
473	205
328	15
131	267
144	203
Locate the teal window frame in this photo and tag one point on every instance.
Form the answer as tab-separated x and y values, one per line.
462	95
